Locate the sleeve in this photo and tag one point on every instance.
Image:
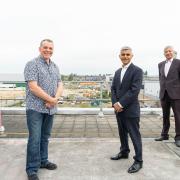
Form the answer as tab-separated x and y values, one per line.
159	70
31	71
113	91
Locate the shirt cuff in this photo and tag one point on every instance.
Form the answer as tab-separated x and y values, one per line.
119	104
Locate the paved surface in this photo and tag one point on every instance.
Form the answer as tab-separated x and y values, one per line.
88	159
77	126
82	145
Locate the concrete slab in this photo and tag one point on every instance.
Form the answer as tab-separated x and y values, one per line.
70	110
88	159
84	126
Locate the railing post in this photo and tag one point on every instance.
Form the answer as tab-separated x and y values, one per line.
143	93
2	129
101	114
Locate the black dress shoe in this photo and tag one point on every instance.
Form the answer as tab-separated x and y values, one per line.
120	156
177	142
33	177
135	167
49	166
162	138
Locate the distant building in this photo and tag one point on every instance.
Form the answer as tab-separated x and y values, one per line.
89	77
151	86
150	83
9	79
7	85
109	77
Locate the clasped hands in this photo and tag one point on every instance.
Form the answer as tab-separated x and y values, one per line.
118	107
52	103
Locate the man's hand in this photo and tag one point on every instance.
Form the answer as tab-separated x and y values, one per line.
51	104
48	105
117	107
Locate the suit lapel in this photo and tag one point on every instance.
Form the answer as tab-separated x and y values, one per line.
127	72
162	68
118	76
171	67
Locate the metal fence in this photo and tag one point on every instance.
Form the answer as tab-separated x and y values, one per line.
77	94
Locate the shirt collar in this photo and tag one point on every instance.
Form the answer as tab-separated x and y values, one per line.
43	60
126	66
170	61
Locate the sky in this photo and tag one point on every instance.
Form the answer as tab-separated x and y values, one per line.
88	34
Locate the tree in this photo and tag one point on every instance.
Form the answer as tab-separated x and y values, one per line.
145	73
70	78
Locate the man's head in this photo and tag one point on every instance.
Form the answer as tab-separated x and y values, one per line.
169	52
126	55
46	48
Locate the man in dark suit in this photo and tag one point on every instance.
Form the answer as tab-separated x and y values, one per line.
126	86
169	77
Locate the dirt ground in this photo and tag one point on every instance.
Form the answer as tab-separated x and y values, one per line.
12	94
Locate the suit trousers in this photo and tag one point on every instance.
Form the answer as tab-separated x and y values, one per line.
166	104
129	126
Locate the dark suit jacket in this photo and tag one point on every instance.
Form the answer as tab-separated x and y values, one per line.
171	83
126	92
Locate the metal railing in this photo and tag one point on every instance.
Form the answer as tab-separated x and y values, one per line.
77	94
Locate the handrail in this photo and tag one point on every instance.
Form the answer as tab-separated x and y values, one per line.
99	86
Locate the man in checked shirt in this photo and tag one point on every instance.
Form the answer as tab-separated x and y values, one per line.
43	89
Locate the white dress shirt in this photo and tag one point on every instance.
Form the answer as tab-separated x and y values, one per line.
123	70
167	66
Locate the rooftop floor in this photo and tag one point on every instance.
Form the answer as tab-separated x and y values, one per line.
81	145
89	159
77	126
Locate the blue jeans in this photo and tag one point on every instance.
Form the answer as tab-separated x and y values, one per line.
39	126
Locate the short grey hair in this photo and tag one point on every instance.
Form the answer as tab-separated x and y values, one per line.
124	48
168	47
48	40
